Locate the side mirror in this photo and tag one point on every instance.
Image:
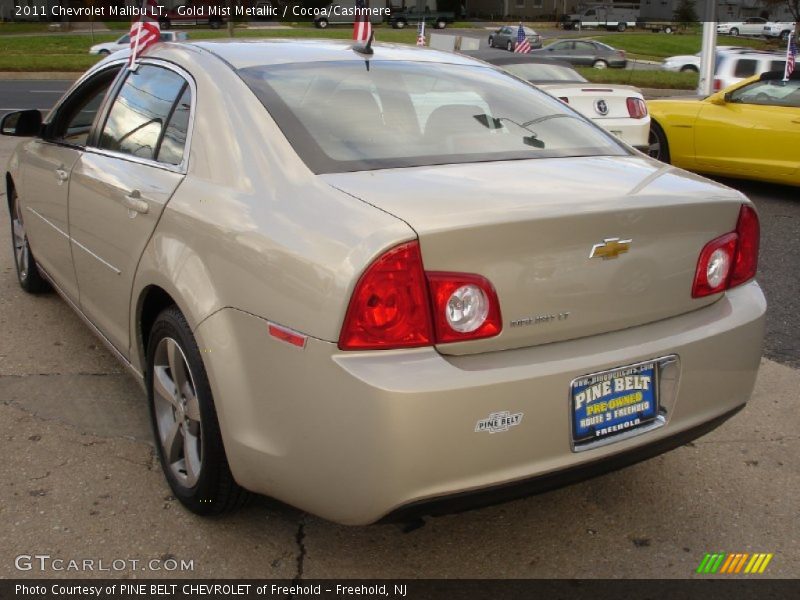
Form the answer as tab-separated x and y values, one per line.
718	99
23	123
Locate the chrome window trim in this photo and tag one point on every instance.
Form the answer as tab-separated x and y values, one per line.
181	168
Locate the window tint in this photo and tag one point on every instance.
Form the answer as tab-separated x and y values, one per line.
140	111
777	65
174	141
74	118
561	46
745	67
584	47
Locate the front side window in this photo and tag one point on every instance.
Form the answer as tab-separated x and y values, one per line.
339	116
147	101
73	121
773	92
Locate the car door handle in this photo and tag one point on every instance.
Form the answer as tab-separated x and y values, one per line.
134	202
61	174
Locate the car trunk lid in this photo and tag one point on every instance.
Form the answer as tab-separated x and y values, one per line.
530	227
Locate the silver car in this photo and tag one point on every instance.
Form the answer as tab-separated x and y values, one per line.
506	37
371	285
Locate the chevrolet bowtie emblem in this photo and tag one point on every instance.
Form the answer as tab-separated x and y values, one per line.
610	248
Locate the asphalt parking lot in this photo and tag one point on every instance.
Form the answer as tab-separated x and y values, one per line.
80	480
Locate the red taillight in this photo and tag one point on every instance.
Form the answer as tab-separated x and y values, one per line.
729	260
637	109
465	307
391	305
749	231
717	85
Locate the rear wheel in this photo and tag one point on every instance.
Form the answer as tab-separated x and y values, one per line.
441	24
400	24
657	144
491	41
667	29
166	24
184	420
321	23
510	47
622	27
215	24
27	272
600	64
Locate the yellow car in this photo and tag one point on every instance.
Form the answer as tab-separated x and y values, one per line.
749	130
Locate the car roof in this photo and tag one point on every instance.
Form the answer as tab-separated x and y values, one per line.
501	57
241	54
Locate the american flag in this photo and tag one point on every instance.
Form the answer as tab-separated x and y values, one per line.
421	33
791	54
362	28
145	31
523	45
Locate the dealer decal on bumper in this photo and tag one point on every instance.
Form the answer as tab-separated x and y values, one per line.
499	421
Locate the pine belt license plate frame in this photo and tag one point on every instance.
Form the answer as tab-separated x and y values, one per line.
585	438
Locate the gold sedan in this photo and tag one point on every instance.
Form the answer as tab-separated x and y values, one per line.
749	130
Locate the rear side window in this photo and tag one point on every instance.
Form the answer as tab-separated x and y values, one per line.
777	65
146	108
745	67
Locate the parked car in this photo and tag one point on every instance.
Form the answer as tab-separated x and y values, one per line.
342	13
506	37
691	62
620	109
194	12
125	41
735	67
753	26
587	53
780	30
747	130
372	292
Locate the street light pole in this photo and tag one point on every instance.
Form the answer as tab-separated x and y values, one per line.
705	84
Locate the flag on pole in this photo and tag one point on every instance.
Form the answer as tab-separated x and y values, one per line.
523	45
421	33
791	54
145	31
362	28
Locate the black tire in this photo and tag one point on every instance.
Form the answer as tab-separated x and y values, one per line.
658	143
734	31
216	24
28	275
785	36
321	23
104	53
689	69
600	64
400	24
622	27
215	491
440	24
510	46
667	29
166	24
491	41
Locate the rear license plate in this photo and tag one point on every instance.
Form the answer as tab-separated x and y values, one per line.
613	402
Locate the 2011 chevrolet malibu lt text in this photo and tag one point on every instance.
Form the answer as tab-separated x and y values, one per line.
376	285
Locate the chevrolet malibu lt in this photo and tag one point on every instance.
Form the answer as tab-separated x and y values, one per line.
381	284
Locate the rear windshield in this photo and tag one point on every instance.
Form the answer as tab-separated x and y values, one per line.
354	116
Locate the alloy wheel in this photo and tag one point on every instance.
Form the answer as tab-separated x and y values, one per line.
177	412
21	253
653	145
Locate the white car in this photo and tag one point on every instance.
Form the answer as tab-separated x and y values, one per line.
733	68
782	30
619	109
691	62
125	42
751	26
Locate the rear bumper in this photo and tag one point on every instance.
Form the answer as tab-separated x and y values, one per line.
634	132
354	437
